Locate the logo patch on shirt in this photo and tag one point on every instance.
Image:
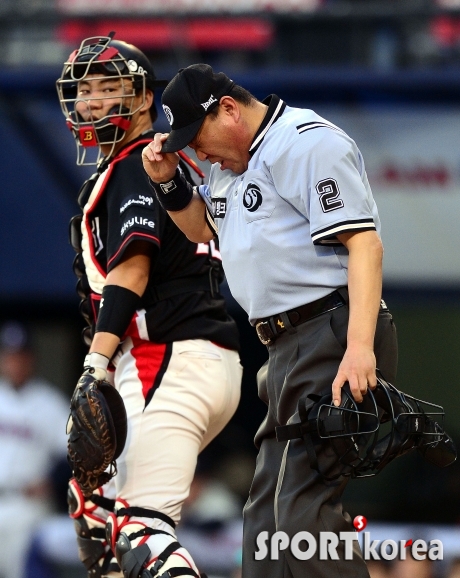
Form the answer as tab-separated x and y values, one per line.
219	207
252	197
328	191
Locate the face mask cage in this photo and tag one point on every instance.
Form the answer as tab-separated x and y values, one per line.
97	58
425	424
364	437
404	423
351	429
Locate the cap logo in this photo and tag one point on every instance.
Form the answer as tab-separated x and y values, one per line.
134	67
208	103
169	114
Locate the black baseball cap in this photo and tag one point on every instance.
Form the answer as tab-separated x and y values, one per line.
188	98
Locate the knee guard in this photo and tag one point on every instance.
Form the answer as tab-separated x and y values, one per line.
89	521
129	534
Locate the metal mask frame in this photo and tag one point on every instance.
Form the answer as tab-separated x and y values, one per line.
413	424
366	436
95	56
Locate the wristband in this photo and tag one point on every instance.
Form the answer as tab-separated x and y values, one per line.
96	360
116	310
96	364
174	195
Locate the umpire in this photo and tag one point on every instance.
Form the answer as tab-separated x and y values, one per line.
299	233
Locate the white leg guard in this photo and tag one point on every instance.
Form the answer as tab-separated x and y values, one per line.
146	546
90	519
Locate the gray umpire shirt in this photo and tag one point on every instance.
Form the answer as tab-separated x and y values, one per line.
277	222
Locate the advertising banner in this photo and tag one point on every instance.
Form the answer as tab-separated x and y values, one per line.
158	7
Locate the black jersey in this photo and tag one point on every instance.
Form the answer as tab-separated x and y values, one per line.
182	300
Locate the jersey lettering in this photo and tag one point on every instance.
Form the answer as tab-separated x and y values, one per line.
328	192
219	207
97	241
141	221
142	200
204	249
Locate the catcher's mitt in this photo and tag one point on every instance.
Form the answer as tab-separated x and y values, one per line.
97	429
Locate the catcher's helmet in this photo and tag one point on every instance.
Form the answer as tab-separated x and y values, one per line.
366	436
105	57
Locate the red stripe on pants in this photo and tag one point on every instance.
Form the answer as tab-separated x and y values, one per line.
149	358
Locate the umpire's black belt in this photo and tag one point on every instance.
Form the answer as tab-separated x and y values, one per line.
270	328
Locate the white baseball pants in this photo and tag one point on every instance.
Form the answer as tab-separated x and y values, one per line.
174	410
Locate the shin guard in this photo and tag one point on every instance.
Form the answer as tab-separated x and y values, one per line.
145	544
89	516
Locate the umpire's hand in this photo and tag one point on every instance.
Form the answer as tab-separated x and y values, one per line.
160	167
358	368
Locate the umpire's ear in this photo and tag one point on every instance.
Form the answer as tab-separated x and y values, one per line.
230	108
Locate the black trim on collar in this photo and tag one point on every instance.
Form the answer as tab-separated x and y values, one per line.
146	134
275	109
105	161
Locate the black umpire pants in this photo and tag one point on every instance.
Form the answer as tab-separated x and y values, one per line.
286	494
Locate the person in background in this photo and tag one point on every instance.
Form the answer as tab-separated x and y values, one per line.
454	568
411	568
33	415
378	569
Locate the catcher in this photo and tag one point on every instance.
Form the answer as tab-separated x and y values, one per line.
162	376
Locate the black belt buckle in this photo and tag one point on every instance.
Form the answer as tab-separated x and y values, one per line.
264	332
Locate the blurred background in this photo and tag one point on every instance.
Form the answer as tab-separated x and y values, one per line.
388	73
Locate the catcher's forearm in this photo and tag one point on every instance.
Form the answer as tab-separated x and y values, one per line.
105	344
121	297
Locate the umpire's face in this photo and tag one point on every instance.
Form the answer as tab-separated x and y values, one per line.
224	137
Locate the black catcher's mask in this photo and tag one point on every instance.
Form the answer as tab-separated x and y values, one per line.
366	436
101	58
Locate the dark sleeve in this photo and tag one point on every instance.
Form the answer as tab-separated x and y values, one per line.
134	213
